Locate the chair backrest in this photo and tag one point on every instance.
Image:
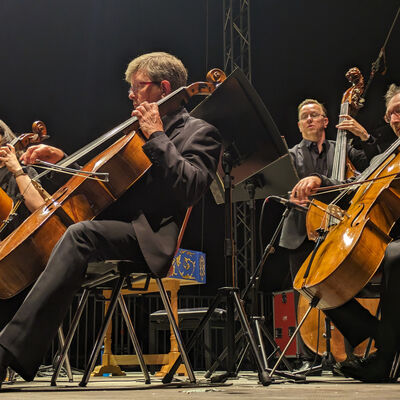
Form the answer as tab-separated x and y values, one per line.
180	236
183	228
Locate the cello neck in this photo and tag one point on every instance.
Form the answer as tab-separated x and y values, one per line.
166	105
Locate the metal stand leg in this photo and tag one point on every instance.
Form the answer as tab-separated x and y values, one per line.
134	338
261	341
313	303
264	377
395	368
70	335
276	348
61	339
231	294
222	356
177	333
102	332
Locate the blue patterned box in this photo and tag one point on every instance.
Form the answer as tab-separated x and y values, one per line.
190	266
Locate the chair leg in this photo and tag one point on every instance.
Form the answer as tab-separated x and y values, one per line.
65	348
100	337
61	339
134	338
395	367
171	318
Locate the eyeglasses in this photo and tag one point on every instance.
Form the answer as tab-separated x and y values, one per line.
312	115
138	85
396	112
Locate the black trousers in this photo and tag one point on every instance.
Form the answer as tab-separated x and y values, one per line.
9	307
29	334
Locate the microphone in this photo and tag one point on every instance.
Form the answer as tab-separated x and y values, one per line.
287	203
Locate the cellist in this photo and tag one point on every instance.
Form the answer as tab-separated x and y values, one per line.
16	183
315	154
184	152
355	322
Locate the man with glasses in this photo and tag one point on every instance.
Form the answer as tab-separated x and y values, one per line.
314	154
353	320
143	225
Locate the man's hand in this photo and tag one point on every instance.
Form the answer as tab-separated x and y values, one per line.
9	159
351	125
42	152
305	188
149	118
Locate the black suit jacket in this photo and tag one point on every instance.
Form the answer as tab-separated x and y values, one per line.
184	160
294	228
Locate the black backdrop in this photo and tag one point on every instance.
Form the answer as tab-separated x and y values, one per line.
63	62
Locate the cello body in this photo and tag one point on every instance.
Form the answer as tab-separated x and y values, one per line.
313	330
354	248
24	253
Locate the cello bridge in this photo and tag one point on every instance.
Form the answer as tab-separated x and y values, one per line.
335	211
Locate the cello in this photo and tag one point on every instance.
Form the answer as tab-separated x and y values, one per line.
313	328
352	251
82	198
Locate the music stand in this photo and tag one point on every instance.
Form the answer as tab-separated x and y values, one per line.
253	148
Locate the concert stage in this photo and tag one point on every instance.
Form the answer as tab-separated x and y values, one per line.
246	387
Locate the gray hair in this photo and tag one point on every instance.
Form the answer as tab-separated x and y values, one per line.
159	66
392	91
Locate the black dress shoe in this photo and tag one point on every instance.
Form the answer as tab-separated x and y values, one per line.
351	361
374	369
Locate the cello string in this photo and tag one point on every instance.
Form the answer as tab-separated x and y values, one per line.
83	174
103	175
124	128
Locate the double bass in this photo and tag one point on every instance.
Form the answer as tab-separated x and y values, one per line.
24	253
313	328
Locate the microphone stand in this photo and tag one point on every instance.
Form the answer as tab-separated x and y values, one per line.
257	320
233	301
245	331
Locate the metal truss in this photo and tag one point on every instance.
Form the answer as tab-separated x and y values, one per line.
237	54
237	51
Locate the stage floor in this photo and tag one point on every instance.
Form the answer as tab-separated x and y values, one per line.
246	387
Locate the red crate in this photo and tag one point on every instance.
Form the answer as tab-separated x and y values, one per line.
285	321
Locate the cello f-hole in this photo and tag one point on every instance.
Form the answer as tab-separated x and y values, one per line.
354	221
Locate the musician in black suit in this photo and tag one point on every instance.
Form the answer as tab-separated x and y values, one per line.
315	154
184	152
354	321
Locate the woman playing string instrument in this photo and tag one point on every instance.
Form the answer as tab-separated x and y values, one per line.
16	183
351	318
15	180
